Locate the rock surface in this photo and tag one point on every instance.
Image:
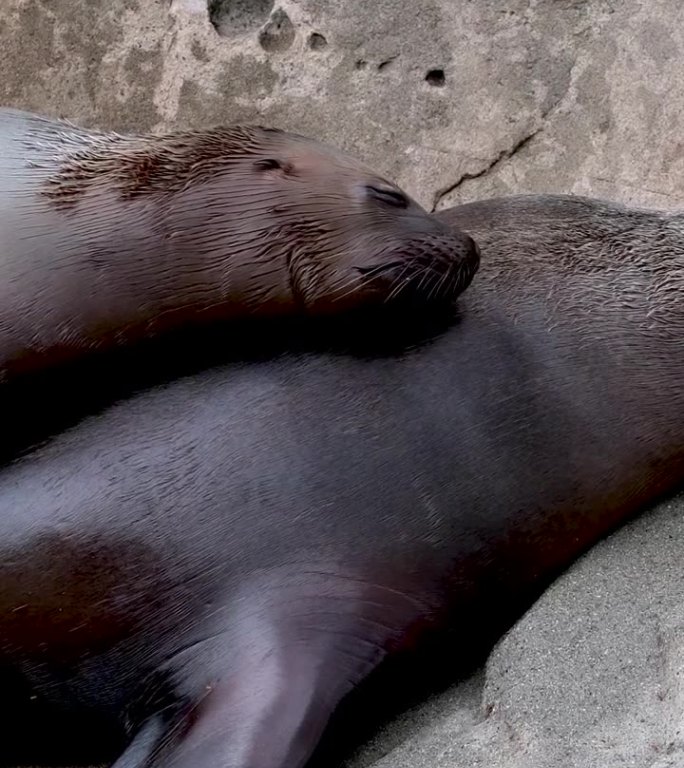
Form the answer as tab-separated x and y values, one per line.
457	100
591	677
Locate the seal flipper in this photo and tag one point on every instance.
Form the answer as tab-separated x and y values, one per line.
262	690
270	714
145	745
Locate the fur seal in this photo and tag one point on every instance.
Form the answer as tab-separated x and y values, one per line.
214	570
109	239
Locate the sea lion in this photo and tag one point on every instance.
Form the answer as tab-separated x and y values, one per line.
215	565
109	239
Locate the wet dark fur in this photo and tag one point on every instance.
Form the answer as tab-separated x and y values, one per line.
213	566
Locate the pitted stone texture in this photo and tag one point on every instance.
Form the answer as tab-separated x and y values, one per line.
452	98
98	62
427	91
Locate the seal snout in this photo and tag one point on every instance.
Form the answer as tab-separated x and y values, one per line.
442	266
433	266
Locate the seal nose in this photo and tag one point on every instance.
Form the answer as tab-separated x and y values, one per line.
468	250
440	227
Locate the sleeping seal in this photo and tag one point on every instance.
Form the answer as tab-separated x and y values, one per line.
106	240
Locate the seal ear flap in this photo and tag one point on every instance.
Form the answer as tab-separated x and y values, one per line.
267	164
273	164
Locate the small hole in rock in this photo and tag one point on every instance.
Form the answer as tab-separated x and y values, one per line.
278	34
384	64
360	64
317	41
436	77
236	17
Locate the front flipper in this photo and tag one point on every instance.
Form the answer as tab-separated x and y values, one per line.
262	689
145	745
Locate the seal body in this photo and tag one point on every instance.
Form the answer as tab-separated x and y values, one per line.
106	240
216	565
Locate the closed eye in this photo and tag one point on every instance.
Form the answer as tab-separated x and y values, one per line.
388	196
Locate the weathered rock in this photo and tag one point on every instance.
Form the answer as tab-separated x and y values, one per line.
455	99
592	676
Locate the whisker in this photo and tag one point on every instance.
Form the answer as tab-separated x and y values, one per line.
399	284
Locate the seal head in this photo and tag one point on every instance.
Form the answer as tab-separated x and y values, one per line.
290	224
108	240
351	236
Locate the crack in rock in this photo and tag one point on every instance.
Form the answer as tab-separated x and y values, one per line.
505	154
